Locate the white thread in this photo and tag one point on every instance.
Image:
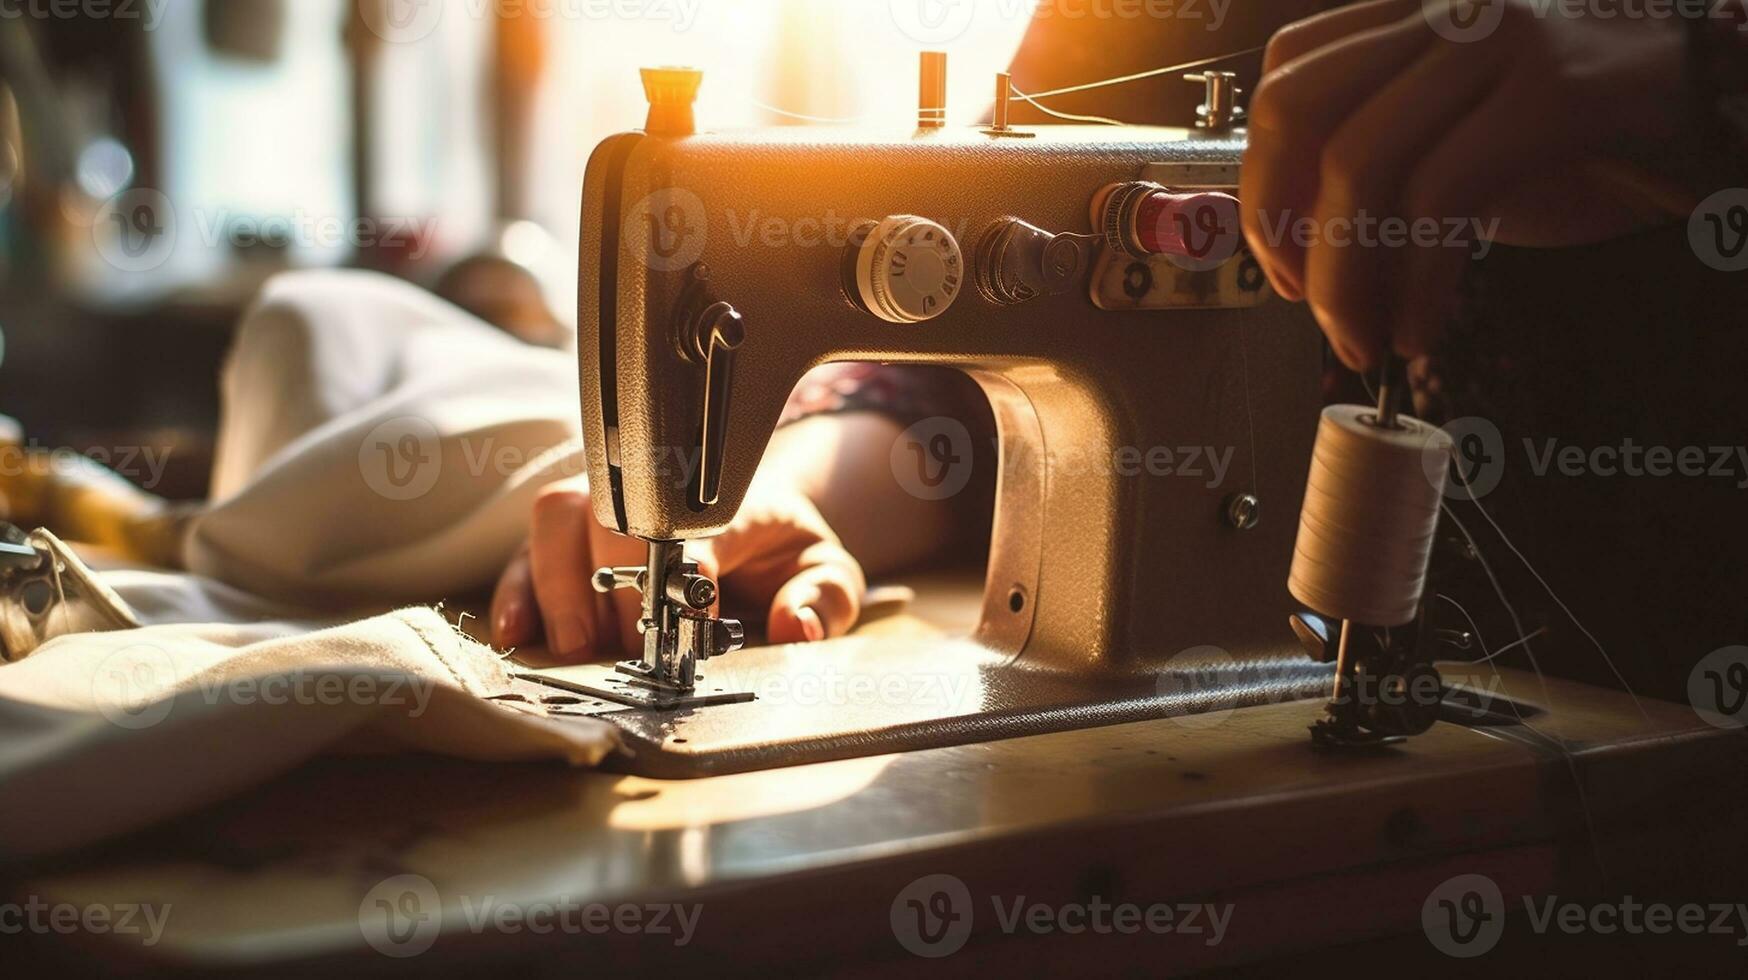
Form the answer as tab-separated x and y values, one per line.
1151	72
1067	116
1606	659
1033	99
1475	631
1371	509
828	120
1559	744
1522	641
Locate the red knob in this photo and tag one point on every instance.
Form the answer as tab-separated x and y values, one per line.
1199	227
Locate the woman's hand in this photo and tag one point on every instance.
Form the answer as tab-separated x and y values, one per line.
1465	132
779	555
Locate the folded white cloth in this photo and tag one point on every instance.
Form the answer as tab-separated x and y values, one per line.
377	448
378	445
102	733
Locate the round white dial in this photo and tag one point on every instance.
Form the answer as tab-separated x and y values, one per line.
909	269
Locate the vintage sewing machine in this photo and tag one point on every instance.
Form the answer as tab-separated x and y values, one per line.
1092	279
1122	616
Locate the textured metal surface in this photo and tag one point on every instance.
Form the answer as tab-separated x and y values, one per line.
861	696
1132	569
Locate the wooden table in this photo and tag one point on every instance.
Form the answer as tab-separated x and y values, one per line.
805	866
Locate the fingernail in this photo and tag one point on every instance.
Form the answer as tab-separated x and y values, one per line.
811	626
1285	287
504	629
569	636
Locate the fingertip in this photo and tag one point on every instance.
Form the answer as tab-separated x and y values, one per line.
794	618
1353	358
513	610
510	624
812	627
1272	256
568	637
1284	286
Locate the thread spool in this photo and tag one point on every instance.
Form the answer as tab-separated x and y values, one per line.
1371	509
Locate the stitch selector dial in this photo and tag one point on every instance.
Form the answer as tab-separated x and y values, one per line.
908	269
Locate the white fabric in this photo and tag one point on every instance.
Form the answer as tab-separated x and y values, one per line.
103	733
378	445
378	448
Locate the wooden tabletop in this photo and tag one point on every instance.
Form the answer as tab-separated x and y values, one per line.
809	865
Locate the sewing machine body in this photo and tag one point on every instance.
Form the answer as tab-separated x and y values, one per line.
1099	576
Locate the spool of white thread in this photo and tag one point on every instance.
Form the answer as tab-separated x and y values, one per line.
1371	509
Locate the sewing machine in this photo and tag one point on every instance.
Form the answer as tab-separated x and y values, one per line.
1090	754
1092	279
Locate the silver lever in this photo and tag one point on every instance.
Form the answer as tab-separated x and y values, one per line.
718	332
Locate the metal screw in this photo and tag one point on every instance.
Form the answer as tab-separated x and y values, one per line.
1243	510
700	592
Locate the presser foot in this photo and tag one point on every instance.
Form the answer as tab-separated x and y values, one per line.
1334	733
678	634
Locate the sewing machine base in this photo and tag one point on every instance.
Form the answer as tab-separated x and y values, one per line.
861	696
613	687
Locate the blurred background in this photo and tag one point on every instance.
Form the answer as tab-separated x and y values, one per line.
160	158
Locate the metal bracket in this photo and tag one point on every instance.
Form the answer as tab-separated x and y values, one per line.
612	684
678	632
